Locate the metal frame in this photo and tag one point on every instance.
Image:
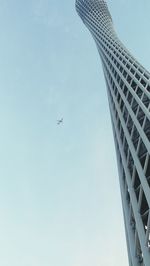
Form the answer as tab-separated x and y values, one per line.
128	87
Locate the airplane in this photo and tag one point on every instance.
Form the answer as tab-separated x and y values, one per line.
59	121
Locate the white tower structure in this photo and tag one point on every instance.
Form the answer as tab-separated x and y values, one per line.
128	87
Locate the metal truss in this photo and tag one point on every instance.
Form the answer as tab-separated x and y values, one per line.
128	87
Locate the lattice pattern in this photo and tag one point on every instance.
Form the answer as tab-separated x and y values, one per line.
128	85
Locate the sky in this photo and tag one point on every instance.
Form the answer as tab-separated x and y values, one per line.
60	201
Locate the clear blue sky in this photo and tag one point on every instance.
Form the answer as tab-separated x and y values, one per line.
59	191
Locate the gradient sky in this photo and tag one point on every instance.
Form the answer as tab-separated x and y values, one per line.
60	202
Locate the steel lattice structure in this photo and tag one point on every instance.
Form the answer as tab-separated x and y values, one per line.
128	86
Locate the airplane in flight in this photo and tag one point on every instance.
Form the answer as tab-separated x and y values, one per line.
60	121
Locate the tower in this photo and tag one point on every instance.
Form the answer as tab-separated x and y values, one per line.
128	87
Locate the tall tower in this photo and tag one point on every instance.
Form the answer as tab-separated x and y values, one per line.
128	87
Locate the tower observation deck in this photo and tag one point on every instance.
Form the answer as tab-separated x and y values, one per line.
128	87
